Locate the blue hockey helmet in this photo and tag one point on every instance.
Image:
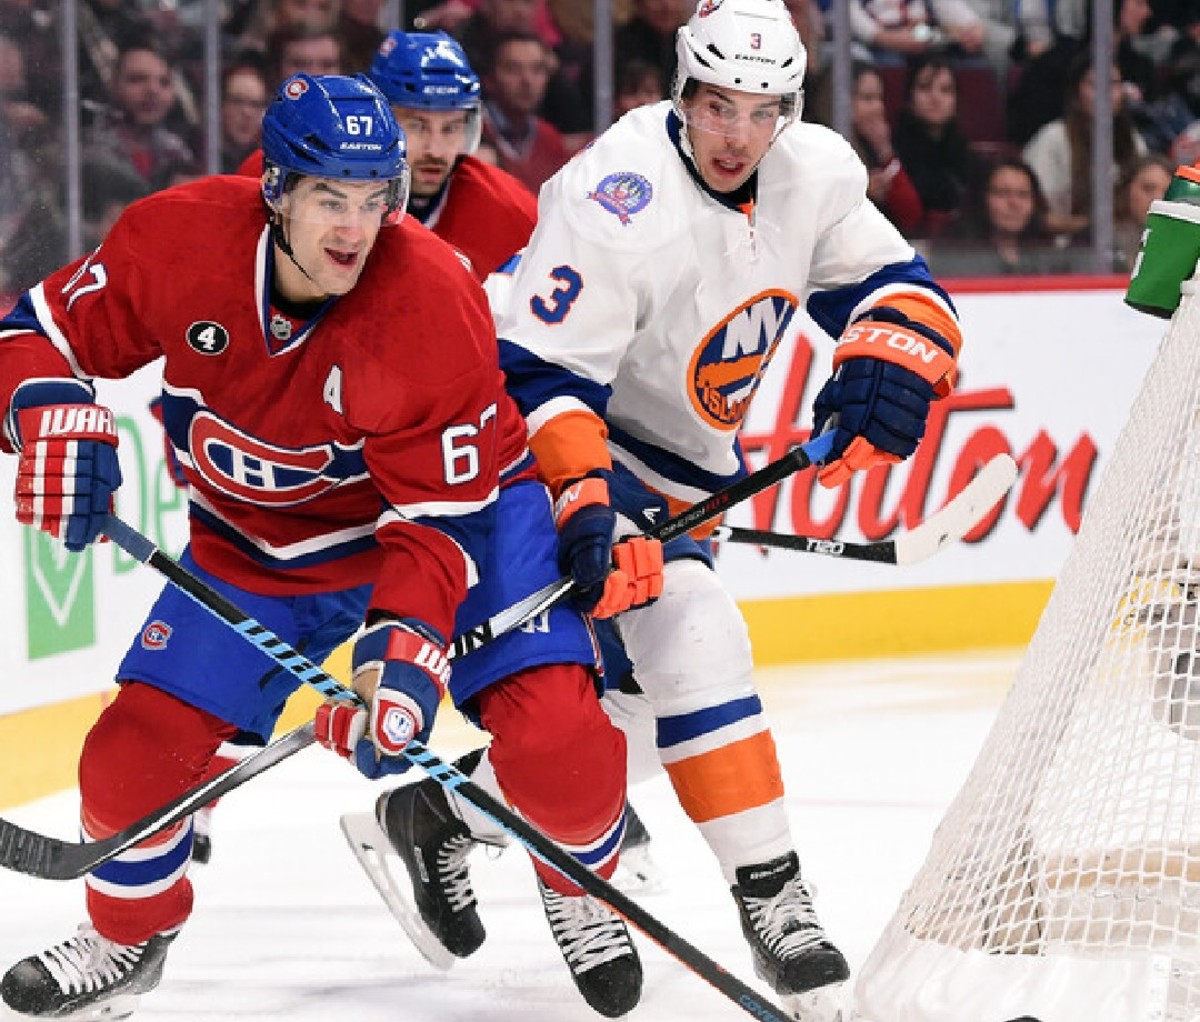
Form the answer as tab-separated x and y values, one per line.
428	71
332	126
424	70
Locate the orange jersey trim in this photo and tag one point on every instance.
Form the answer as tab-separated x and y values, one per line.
568	447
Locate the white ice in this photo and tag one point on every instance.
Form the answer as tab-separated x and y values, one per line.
287	927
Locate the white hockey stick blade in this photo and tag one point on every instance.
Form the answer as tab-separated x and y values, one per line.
960	515
383	866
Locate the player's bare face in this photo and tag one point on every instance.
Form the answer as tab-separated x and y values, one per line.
730	132
436	138
332	226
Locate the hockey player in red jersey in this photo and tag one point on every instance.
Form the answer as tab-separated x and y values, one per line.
483	211
332	390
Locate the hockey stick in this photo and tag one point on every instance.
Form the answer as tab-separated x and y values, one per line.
940	529
53	858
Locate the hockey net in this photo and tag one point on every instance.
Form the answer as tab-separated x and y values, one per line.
1063	884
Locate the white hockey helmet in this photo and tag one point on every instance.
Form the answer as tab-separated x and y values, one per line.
747	45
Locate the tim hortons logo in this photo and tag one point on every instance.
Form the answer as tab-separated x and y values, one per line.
1051	473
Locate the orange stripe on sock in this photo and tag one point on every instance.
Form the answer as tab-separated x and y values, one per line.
728	780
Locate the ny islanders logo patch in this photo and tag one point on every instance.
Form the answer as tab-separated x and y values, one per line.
623	194
729	363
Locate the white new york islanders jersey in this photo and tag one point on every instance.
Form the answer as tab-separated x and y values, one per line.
646	300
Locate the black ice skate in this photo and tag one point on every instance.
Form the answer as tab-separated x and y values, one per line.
598	950
85	977
202	835
791	951
416	824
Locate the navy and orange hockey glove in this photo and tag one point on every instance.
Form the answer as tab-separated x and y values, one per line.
887	371
609	578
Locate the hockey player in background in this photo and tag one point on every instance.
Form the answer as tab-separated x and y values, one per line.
332	390
667	263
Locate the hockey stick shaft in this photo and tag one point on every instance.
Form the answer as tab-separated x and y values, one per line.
948	525
53	858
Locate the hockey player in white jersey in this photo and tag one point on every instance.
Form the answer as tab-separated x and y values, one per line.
668	261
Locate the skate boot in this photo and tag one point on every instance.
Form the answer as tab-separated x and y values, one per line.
416	824
85	977
791	951
637	872
598	950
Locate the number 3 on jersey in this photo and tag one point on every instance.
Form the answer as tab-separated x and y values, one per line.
554	309
460	448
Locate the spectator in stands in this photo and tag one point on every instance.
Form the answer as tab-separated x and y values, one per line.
132	129
38	243
315	51
1138	71
1176	110
932	146
638	82
245	95
650	34
271	16
1013	33
360	33
1141	182
1002	229
566	101
810	26
889	30
1061	151
514	85
888	183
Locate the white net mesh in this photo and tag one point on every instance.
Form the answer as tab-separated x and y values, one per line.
1064	882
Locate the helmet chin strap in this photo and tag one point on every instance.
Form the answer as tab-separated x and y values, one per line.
279	237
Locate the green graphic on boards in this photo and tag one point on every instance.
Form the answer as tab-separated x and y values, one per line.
59	597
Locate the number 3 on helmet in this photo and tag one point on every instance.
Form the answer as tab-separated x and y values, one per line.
333	126
745	45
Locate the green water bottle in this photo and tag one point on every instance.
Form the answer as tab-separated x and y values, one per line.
1170	247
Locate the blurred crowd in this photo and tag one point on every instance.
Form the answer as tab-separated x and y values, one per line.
974	117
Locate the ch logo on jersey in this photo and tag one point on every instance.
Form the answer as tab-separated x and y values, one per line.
264	474
207	337
729	363
623	194
155	636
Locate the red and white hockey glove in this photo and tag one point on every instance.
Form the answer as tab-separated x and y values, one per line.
401	671
68	469
608	578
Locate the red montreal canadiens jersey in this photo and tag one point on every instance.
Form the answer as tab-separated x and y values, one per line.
366	448
486	213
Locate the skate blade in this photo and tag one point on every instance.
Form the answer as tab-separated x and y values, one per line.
115	1008
638	873
376	856
825	1004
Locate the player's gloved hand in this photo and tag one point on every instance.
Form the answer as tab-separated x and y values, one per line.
401	670
877	401
68	468
586	521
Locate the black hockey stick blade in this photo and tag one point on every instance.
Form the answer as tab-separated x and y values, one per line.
943	527
52	858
